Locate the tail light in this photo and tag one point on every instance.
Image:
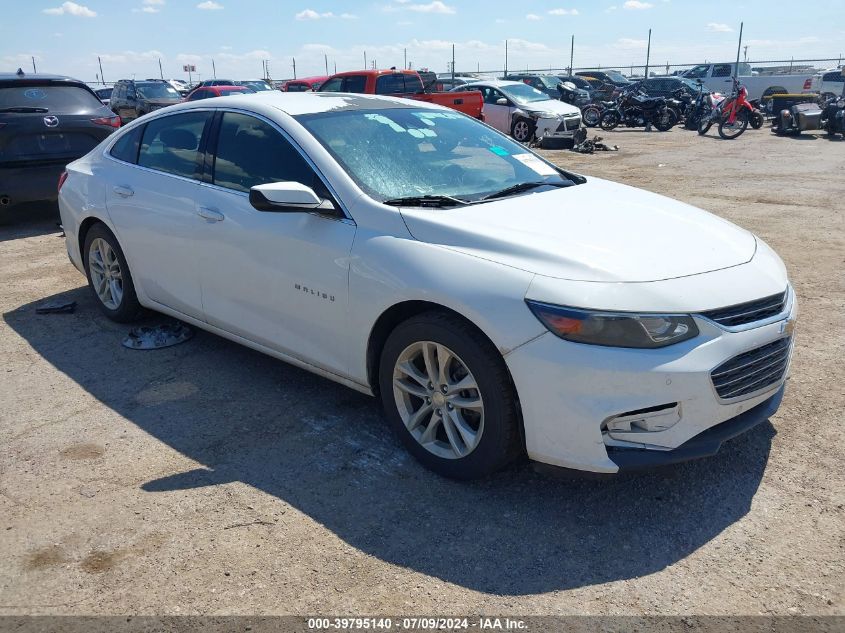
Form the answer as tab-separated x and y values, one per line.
111	121
62	178
808	83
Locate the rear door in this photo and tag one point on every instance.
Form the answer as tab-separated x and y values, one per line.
495	114
153	183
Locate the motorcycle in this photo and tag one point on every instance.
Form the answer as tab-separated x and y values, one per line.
591	113
829	115
732	113
679	103
633	109
701	106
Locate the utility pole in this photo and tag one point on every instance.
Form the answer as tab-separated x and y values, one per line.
365	60
738	48
506	58
647	54
102	79
453	64
745	53
294	67
34	71
326	57
571	56
160	69
213	69
405	58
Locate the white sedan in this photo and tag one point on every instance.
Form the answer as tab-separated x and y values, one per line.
498	305
525	113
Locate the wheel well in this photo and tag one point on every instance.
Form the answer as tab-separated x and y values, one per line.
388	321
86	225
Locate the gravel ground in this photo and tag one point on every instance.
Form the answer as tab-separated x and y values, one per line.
209	479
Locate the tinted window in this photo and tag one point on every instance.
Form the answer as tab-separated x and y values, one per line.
196	95
722	70
297	88
170	144
390	84
156	90
835	76
332	85
126	148
250	152
54	98
355	83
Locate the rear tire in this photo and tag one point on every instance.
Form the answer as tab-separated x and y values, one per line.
665	121
108	275
704	124
591	115
756	120
461	433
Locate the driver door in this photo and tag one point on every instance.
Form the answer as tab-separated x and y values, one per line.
495	114
279	279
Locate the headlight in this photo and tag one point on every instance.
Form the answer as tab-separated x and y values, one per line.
544	115
614	329
840	103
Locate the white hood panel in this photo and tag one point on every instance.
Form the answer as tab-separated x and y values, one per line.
598	231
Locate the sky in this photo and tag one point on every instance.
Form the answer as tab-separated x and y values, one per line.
131	36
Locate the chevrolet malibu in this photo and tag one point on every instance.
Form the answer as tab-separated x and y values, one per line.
498	305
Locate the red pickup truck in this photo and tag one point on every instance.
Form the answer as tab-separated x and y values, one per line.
402	83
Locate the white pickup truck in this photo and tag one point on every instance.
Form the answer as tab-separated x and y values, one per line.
717	77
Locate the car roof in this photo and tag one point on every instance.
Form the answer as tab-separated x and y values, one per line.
296	103
495	83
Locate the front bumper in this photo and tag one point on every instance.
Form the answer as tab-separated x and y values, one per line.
572	393
564	127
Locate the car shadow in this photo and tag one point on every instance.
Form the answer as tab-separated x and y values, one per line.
326	451
29	220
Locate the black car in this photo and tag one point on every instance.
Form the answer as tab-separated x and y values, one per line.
579	82
46	122
607	76
667	86
549	85
131	99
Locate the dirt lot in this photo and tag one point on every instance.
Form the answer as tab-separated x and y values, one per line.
207	478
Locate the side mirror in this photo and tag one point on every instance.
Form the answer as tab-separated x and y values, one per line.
502	101
283	197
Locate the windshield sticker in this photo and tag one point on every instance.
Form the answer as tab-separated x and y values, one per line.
35	93
416	133
380	118
535	164
498	151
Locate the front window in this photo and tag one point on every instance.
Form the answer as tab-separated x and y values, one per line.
396	153
156	90
615	75
698	71
522	93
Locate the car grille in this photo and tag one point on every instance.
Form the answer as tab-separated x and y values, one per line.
748	312
752	371
569	123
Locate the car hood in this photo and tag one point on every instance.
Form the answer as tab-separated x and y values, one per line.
551	105
598	231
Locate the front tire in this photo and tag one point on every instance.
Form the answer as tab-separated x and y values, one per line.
665	121
447	394
730	131
609	120
108	275
522	130
591	115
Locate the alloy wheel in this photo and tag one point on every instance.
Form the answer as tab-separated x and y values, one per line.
106	275
438	399
521	131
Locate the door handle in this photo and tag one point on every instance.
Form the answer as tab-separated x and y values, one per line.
123	191
210	214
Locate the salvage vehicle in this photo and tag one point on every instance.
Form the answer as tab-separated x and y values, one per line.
829	115
402	83
551	85
413	253
46	121
305	84
613	77
209	92
525	113
131	99
719	77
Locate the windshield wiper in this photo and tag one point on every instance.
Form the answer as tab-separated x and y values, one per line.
524	186
24	109
425	201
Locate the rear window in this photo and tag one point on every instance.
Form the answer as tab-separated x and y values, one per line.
171	144
390	84
355	83
52	97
